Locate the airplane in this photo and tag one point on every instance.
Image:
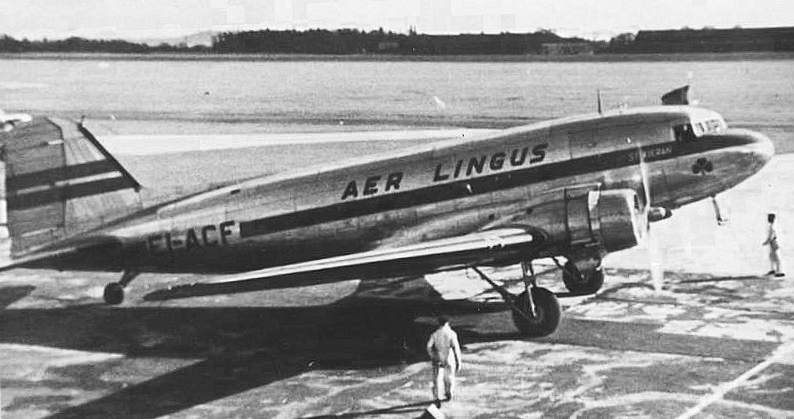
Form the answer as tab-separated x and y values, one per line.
577	187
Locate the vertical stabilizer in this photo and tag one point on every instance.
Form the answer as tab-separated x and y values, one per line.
678	96
60	181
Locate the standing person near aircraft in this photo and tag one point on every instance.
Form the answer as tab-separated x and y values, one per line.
444	350
774	247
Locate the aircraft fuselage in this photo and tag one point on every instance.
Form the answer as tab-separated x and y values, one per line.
434	191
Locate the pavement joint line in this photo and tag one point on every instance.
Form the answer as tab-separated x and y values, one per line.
655	351
642	301
729	386
675	303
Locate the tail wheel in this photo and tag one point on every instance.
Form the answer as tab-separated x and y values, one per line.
580	283
114	293
547	314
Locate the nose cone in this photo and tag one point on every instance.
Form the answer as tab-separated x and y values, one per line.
766	149
759	147
738	154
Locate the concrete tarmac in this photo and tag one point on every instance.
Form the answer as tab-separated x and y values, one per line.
716	342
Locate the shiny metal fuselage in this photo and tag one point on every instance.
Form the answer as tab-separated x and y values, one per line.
435	191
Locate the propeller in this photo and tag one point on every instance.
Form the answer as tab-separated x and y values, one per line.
651	214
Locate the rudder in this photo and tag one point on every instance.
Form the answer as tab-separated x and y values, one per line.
61	181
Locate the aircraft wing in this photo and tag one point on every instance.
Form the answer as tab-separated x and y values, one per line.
435	255
480	248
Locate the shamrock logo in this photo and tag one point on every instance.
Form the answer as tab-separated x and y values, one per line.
702	166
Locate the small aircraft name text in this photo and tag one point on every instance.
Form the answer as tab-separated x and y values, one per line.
198	237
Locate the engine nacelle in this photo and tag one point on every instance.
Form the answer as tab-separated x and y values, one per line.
588	221
621	222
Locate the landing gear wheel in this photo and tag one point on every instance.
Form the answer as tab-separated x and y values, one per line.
114	293
547	313
582	283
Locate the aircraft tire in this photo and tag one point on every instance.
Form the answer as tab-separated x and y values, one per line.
114	294
547	313
582	284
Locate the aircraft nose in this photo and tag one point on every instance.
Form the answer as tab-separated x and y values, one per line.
762	147
759	146
765	147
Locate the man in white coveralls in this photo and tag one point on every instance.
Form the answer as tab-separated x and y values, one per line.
444	350
771	241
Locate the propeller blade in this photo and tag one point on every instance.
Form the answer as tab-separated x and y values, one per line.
655	255
646	184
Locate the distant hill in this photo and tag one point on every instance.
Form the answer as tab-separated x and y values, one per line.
202	39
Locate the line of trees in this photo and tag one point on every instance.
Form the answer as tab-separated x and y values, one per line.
352	41
315	41
76	44
708	39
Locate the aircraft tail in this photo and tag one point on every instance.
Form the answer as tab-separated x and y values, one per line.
59	181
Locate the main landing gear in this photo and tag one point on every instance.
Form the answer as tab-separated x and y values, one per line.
536	311
581	282
114	291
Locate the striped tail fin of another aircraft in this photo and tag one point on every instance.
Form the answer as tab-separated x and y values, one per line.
60	181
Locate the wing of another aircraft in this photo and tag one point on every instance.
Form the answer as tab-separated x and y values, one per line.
480	248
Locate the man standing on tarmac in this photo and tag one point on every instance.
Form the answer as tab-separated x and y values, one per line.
444	350
771	241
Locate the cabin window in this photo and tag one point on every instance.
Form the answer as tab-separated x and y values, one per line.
684	133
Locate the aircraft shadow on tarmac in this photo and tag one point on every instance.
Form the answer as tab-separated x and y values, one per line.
242	348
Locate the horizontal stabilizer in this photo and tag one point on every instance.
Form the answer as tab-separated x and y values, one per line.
67	249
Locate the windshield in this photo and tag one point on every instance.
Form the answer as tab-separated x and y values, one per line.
684	133
709	126
691	131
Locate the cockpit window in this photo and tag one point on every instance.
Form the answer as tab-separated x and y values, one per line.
709	126
698	128
684	133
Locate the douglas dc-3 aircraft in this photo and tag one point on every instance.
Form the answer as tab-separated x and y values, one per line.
576	187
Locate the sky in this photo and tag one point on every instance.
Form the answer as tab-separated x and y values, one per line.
145	19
